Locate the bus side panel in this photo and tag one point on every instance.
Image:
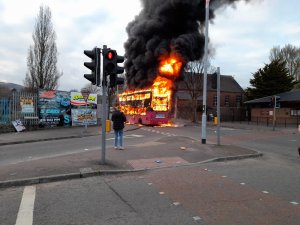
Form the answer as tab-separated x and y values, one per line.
158	118
151	118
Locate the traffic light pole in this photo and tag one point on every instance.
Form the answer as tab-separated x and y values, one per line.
103	119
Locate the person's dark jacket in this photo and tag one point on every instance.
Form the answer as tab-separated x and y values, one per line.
118	119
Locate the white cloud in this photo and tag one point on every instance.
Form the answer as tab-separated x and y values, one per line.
79	25
242	36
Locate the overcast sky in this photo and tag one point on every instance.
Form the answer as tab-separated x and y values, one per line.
242	36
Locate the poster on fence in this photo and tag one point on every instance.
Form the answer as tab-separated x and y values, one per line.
83	113
27	104
54	108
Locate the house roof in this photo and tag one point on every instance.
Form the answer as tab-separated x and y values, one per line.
183	95
290	96
227	83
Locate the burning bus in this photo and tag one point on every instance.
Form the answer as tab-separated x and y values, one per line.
152	105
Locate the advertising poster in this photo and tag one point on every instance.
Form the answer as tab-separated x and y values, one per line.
18	125
27	104
83	113
54	108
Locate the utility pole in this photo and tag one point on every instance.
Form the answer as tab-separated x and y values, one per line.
218	105
205	74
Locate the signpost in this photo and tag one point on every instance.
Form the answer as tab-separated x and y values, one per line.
85	94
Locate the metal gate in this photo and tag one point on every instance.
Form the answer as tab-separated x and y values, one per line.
21	106
24	107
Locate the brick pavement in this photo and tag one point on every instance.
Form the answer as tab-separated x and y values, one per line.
219	200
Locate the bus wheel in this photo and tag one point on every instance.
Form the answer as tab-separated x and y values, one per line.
140	121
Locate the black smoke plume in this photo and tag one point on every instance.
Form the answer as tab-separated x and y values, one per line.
164	28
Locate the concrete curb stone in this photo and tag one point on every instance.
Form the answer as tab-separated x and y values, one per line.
91	173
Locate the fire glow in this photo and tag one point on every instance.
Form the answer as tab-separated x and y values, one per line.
170	67
158	97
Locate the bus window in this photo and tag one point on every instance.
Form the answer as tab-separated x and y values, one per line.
147	102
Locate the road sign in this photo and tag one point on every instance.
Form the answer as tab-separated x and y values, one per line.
85	94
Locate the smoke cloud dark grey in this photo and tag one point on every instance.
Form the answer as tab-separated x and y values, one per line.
164	28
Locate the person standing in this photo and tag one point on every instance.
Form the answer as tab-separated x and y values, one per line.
118	118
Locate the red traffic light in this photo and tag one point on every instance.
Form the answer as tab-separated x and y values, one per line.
110	55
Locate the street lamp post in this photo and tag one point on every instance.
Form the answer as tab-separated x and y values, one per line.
203	133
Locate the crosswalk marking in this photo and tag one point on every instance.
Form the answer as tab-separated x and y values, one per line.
159	132
25	214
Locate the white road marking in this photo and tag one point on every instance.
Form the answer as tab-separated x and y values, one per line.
134	135
176	203
265	192
25	214
196	218
294	203
242	183
158	132
161	193
126	136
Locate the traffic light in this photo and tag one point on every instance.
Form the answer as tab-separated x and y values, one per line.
277	101
110	62
94	65
110	66
271	104
114	80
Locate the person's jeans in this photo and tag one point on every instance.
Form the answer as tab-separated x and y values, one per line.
118	136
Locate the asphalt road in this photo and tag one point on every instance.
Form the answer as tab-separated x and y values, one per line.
253	191
11	154
126	200
181	195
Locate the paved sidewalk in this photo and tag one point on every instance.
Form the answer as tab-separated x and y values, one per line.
165	152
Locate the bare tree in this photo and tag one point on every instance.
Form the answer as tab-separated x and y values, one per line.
193	80
42	56
93	89
291	55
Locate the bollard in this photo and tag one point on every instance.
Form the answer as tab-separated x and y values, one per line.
215	120
107	127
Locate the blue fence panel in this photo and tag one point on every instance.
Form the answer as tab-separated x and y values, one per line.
5	111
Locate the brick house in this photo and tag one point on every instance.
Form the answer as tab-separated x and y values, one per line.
231	99
261	110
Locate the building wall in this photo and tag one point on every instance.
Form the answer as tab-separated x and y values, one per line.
283	115
230	92
229	112
232	96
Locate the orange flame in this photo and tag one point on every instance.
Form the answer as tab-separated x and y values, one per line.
158	96
170	66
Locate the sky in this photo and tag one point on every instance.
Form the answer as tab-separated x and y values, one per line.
242	36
